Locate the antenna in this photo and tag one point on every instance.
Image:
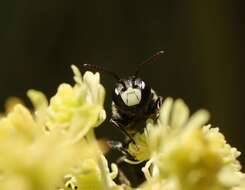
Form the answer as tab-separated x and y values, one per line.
148	61
104	70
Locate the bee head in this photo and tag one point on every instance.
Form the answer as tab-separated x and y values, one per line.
131	92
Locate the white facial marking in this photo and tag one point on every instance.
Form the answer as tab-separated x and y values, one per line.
131	96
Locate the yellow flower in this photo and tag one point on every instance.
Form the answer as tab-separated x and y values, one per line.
92	171
241	186
159	185
31	159
89	175
173	115
140	150
40	104
80	107
186	155
11	102
34	158
18	122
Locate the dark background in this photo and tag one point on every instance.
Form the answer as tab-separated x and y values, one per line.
203	40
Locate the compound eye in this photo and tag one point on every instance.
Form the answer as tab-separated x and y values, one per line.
119	89
142	85
139	83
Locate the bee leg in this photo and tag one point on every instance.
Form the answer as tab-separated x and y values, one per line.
122	178
119	146
116	124
159	102
156	107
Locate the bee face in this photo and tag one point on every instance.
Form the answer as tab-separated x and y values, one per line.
130	92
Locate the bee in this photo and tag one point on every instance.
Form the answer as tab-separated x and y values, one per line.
133	102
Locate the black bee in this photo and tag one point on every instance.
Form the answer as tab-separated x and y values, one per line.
133	101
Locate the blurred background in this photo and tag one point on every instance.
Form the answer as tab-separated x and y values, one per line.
203	40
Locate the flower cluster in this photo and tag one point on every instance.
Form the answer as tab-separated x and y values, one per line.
53	147
186	154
